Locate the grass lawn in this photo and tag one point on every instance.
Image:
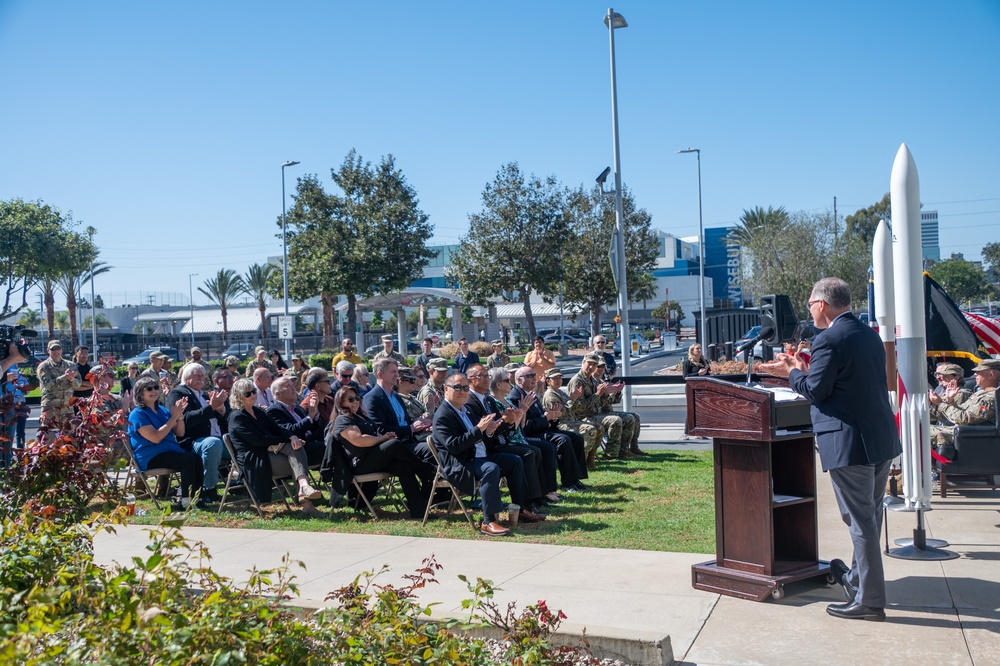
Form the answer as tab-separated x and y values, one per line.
663	501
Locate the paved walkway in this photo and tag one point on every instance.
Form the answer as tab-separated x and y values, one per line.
640	604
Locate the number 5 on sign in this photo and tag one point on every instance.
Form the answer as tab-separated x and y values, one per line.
285	328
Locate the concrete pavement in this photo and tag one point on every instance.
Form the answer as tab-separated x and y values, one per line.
640	605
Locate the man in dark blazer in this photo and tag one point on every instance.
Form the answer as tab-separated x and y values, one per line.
464	459
856	435
204	424
541	425
464	359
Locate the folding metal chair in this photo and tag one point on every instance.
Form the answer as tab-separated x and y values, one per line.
277	483
384	479
440	481
136	474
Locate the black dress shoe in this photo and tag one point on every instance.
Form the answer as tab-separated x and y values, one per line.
843	576
855	611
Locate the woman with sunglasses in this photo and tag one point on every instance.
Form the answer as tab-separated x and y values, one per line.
152	429
360	377
265	450
369	449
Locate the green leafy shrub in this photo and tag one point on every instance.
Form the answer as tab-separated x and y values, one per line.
324	361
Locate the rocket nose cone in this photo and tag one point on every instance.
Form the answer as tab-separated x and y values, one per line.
904	169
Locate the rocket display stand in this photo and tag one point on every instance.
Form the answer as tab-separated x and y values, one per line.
766	532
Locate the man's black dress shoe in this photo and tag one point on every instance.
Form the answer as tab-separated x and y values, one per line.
842	575
855	611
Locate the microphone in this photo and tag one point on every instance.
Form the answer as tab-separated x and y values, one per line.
765	333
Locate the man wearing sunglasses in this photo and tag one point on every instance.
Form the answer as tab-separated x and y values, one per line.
347	353
465	460
343	376
318	383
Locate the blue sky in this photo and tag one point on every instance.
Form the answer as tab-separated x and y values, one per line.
164	125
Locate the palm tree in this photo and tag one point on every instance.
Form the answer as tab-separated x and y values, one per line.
223	290
61	322
643	288
257	281
48	286
102	321
70	285
29	318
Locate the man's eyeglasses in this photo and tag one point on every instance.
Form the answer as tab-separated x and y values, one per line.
599	342
458	387
323	381
471	377
348	375
811	303
529	375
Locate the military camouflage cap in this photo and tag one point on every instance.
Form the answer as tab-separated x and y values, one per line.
407	373
437	364
195	349
386	338
553	372
949	369
54	344
259	349
594	358
232	360
602	362
497	342
296	357
988	364
512	367
157	354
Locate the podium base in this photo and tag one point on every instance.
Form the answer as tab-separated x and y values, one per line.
711	577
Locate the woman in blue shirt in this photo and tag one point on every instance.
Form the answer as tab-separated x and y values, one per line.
151	429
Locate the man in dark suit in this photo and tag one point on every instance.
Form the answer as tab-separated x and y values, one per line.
385	408
464	459
464	359
855	432
541	425
204	424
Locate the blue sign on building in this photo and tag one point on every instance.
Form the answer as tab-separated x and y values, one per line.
723	267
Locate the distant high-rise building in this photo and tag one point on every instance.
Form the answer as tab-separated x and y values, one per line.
929	239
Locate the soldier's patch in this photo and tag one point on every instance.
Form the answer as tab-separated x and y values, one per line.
984	409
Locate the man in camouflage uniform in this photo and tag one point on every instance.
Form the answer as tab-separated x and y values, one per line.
949	377
404	391
630	420
196	358
58	378
261	361
587	407
389	352
297	372
592	434
432	393
159	370
979	409
497	359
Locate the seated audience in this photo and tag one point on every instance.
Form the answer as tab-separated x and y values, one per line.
204	424
360	378
317	382
980	408
152	432
265	450
262	378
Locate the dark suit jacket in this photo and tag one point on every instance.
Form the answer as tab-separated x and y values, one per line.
197	419
846	384
462	363
251	437
379	410
306	429
536	423
456	446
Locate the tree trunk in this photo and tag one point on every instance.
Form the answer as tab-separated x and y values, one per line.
526	300
328	302
71	309
262	307
595	319
225	326
352	318
50	311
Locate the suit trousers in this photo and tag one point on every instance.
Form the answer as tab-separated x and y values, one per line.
488	472
572	458
859	490
396	458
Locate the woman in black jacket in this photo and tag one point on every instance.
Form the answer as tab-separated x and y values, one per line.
264	449
369	449
695	364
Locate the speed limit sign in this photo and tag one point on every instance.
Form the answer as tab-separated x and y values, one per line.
286	328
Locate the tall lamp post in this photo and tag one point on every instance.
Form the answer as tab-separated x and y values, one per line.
701	256
93	299
191	303
613	21
284	251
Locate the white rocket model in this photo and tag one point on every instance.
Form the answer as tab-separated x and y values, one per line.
885	303
911	334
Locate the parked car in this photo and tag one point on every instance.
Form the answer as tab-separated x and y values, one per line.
644	344
572	342
143	357
412	348
241	350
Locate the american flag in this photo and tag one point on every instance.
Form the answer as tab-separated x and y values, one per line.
987	330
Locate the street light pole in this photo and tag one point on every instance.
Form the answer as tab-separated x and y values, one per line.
93	299
191	303
614	20
284	261
701	257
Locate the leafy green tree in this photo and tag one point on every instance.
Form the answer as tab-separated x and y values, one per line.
755	235
29	318
391	324
864	222
668	310
35	242
258	283
377	322
351	242
102	321
71	281
467	317
223	290
588	280
643	289
963	280
442	322
61	320
991	255
508	250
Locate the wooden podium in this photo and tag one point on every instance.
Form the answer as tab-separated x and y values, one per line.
765	487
